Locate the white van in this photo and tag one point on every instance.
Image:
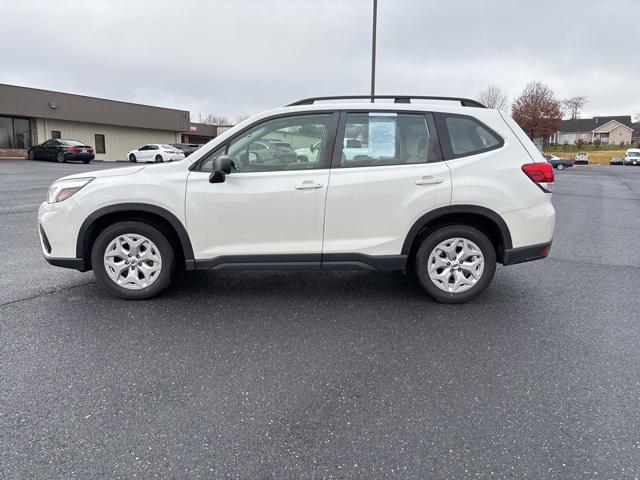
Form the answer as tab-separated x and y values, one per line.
632	157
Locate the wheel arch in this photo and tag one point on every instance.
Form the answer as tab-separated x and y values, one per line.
484	219
159	217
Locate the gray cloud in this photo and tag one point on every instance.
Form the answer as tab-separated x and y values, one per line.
240	57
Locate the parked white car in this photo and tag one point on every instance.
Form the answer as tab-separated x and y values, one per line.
156	152
445	191
351	148
632	156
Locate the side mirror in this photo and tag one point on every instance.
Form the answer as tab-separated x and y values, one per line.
312	148
223	163
253	157
217	176
221	169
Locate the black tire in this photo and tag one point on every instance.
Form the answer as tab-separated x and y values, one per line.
132	158
140	228
85	160
31	155
159	159
60	157
560	166
434	238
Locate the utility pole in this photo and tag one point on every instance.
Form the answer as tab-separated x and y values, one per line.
373	49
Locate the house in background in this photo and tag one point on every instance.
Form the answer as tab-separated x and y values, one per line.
635	136
611	130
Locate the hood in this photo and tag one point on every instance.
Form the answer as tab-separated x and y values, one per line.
111	172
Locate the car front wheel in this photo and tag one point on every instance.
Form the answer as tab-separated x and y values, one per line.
133	260
560	166
455	263
31	155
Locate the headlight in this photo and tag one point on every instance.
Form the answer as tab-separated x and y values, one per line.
63	189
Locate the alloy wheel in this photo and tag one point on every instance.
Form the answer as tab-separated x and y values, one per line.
455	265
132	261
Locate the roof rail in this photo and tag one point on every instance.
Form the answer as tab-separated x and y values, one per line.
465	102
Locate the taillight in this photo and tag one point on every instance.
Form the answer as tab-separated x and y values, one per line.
540	173
73	149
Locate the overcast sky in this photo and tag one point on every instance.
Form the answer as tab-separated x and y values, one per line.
237	57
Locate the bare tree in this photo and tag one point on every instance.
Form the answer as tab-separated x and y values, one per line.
493	97
636	117
537	111
573	106
242	118
212	119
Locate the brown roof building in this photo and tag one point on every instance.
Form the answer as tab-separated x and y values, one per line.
29	116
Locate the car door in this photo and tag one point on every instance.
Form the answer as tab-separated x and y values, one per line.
145	152
52	148
263	209
40	152
376	196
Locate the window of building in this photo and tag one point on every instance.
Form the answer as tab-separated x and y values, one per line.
55	134
6	132
374	139
100	145
22	132
15	132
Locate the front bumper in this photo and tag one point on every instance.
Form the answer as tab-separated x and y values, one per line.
59	224
74	263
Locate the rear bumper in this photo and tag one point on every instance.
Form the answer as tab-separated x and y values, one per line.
79	156
526	254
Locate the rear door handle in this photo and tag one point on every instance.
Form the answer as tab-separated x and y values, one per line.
308	185
428	180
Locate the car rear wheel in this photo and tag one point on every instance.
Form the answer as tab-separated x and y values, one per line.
560	166
60	157
132	158
133	260
159	159
455	263
85	160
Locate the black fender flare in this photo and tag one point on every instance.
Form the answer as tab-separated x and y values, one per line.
456	209
177	225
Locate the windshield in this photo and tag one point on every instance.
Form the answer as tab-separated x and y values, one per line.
633	154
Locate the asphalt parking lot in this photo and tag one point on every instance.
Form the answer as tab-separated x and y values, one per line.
327	375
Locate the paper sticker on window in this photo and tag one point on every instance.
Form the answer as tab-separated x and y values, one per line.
382	136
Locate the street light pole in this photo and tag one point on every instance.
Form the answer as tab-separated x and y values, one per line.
373	49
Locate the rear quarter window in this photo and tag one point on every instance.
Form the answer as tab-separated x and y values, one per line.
463	135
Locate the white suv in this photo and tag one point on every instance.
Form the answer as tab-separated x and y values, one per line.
445	191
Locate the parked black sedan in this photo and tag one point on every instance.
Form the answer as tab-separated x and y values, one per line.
187	148
61	151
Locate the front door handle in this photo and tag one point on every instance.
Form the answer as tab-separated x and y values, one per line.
428	180
308	185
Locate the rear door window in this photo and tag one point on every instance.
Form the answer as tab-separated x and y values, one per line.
372	139
462	135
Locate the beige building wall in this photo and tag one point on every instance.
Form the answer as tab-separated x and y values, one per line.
118	140
617	133
620	134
